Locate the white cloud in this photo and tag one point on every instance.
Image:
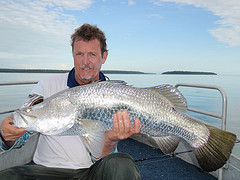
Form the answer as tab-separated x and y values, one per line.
73	4
34	27
131	2
38	27
156	2
228	29
42	15
155	15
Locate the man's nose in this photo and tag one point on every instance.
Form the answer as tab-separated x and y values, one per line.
85	60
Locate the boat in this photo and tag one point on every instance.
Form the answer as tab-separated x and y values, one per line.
153	164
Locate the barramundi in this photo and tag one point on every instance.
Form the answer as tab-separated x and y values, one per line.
89	108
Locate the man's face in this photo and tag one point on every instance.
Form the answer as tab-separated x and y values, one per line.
88	60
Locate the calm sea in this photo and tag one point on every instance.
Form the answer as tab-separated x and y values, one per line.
208	100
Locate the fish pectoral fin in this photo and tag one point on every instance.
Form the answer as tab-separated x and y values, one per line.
92	125
94	142
74	130
167	144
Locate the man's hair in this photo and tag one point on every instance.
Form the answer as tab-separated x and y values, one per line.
89	32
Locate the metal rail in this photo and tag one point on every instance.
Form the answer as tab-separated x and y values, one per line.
7	83
223	115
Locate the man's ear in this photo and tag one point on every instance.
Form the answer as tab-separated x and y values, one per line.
105	55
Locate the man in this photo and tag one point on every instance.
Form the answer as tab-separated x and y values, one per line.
68	157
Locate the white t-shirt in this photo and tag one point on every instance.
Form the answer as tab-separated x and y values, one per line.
63	151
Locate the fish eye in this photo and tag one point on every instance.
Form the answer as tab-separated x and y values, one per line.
28	110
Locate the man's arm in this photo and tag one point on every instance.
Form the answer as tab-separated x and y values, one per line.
122	129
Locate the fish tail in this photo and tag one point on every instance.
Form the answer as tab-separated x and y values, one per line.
216	151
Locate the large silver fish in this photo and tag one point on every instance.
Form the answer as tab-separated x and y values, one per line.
90	108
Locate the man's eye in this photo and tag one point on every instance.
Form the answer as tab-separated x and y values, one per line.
77	53
93	54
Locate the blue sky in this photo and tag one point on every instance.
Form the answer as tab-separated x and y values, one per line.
145	35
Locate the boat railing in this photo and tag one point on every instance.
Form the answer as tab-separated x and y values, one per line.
8	83
222	116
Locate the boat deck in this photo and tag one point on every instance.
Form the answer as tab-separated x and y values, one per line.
153	164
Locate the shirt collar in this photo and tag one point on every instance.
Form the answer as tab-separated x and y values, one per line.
72	82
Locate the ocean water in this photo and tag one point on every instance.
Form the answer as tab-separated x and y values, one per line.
207	100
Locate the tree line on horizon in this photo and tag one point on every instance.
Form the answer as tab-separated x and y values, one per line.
190	72
6	70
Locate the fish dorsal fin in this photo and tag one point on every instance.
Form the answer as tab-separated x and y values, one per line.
175	97
111	81
117	82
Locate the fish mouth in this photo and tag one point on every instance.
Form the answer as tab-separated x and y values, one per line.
23	118
16	116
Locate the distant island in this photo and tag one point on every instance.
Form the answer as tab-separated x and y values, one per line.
123	72
190	73
5	70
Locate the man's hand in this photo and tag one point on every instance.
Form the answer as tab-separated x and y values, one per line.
9	132
122	129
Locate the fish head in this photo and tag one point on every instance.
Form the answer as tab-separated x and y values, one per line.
28	117
48	117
